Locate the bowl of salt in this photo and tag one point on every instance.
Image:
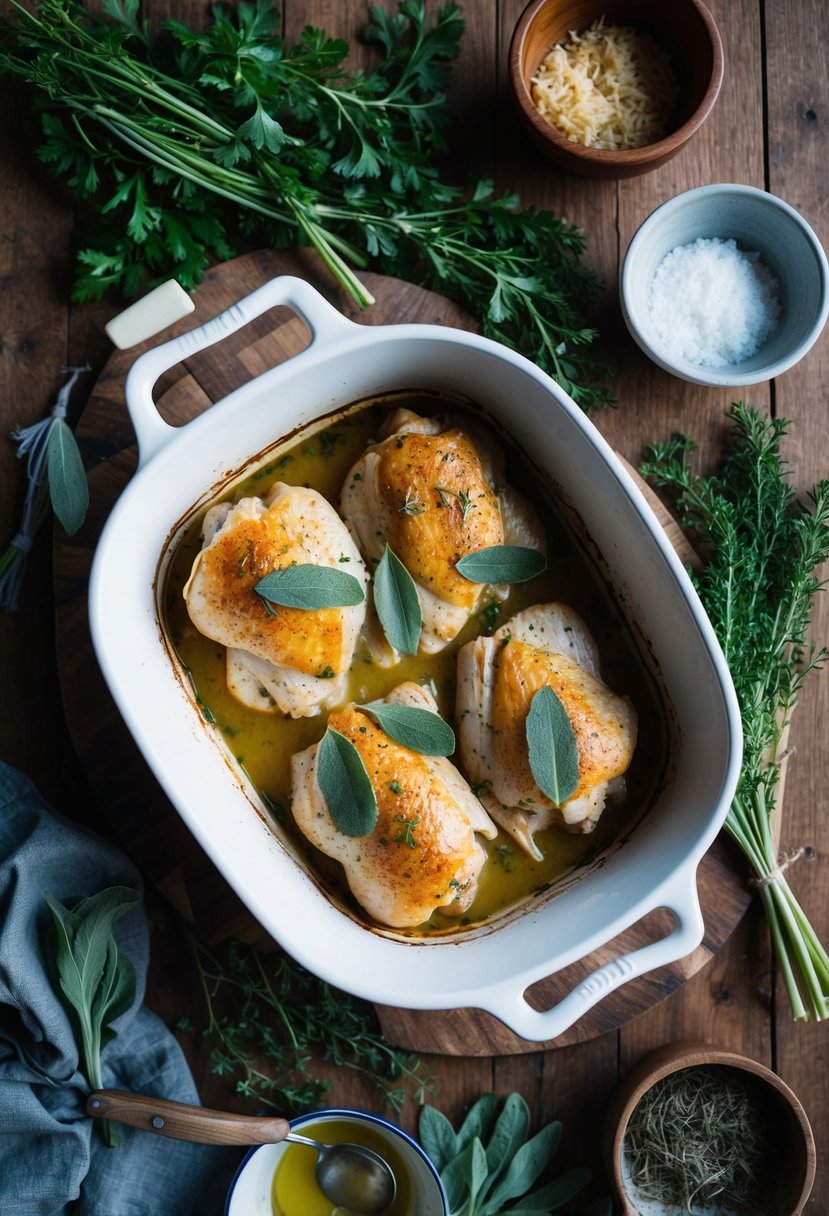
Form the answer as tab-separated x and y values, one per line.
725	285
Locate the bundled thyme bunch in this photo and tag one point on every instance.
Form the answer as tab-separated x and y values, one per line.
201	135
761	549
268	1020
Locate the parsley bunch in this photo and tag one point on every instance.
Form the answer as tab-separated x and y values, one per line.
761	547
181	143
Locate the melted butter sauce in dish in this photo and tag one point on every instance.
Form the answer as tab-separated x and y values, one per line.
523	843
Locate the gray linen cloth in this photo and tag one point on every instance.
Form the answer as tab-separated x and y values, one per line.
53	1161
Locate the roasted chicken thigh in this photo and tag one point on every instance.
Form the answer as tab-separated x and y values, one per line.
290	660
434	493
424	851
547	645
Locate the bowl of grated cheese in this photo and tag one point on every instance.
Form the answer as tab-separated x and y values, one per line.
725	285
616	88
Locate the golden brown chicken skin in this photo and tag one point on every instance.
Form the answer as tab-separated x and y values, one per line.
423	853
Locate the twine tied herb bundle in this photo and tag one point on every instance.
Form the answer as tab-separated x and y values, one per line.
762	545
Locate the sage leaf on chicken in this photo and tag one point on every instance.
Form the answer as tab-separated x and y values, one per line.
553	751
502	564
397	603
345	785
310	587
419	729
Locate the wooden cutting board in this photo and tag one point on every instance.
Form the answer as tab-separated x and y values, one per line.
133	809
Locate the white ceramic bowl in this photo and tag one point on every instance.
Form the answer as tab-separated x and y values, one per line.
180	469
759	223
250	1191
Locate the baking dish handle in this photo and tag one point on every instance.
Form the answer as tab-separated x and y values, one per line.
539	1026
152	432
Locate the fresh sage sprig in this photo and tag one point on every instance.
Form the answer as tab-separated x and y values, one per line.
502	564
68	486
54	473
490	1165
554	753
420	729
396	602
310	587
345	785
97	980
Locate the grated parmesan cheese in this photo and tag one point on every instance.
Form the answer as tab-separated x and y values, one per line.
711	303
609	87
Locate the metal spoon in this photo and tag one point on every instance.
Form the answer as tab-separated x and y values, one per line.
351	1176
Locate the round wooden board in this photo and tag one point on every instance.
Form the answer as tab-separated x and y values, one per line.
136	812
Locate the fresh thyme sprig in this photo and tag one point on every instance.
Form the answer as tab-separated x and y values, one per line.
761	548
268	1020
181	144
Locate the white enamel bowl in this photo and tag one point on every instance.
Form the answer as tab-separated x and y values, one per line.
180	468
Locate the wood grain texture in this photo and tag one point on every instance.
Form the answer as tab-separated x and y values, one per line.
768	128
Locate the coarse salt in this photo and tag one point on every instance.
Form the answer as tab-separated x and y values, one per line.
712	304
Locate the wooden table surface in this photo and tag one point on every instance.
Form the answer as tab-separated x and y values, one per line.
768	129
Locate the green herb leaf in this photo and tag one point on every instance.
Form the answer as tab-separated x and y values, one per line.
398	608
554	753
511	1130
525	1166
490	1161
97	981
345	785
340	159
67	478
310	587
437	1137
763	544
502	564
479	1121
268	1025
420	729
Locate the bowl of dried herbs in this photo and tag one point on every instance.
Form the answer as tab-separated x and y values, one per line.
695	1130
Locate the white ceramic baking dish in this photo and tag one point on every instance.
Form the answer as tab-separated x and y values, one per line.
179	469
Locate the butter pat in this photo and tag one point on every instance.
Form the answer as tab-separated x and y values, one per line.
148	316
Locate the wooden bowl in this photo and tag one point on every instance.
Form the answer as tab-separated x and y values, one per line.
794	1142
684	28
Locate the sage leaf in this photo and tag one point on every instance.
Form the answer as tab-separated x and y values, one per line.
437	1137
68	487
310	587
420	729
97	981
511	1129
502	564
479	1120
398	608
345	785
554	1195
464	1176
554	753
489	1162
526	1165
